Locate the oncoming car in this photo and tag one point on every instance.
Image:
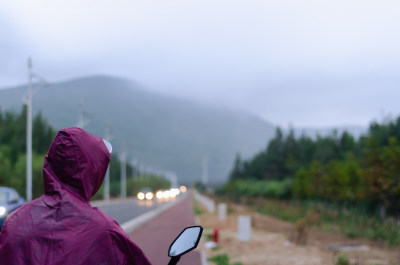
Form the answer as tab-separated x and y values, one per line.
9	201
145	193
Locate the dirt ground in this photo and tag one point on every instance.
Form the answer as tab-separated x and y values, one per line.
272	243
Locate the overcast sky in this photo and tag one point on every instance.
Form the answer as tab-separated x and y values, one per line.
305	63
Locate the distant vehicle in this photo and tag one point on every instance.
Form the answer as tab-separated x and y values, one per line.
145	193
9	201
168	194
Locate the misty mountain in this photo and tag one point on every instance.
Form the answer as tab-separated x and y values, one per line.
159	131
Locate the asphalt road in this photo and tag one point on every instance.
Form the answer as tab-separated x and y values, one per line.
125	210
156	235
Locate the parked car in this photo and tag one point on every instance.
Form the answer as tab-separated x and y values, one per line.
9	201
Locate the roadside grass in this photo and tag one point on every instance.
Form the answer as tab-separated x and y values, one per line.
222	259
197	209
351	222
208	236
282	209
216	248
342	260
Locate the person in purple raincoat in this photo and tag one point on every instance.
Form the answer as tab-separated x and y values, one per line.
61	227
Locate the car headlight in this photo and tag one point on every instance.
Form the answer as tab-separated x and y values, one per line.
140	195
149	195
3	211
159	195
166	194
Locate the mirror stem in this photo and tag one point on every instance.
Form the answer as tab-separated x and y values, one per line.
174	260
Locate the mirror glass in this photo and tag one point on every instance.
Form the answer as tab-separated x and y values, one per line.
186	241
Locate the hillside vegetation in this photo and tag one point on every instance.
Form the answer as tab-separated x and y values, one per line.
338	176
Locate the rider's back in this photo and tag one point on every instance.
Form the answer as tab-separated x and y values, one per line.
61	227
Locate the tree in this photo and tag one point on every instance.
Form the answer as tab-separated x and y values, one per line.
377	184
275	158
346	144
391	176
302	188
237	171
292	155
326	149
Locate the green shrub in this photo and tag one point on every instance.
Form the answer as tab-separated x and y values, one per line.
283	210
197	210
342	260
216	248
222	259
258	188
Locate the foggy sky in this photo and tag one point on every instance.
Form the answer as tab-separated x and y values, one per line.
304	63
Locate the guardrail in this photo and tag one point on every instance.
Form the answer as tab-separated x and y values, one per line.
207	202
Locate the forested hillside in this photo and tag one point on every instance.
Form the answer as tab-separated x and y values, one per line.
339	169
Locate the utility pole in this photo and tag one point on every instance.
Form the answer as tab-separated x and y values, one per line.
82	120
123	174
142	170
205	170
172	178
31	75
29	134
107	177
135	168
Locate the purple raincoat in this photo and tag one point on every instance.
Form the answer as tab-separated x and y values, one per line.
61	227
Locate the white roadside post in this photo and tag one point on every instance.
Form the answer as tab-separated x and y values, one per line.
210	205
244	228
222	211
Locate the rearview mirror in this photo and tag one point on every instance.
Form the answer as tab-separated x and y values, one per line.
13	201
187	240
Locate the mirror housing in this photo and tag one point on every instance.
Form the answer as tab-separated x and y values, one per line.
187	240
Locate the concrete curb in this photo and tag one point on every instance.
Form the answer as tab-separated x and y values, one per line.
137	222
203	254
203	258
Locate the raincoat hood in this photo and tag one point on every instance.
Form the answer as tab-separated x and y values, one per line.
76	161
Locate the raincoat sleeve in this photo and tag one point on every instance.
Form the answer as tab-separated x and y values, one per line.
127	252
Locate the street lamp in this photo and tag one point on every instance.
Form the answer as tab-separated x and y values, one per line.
106	191
31	75
123	174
